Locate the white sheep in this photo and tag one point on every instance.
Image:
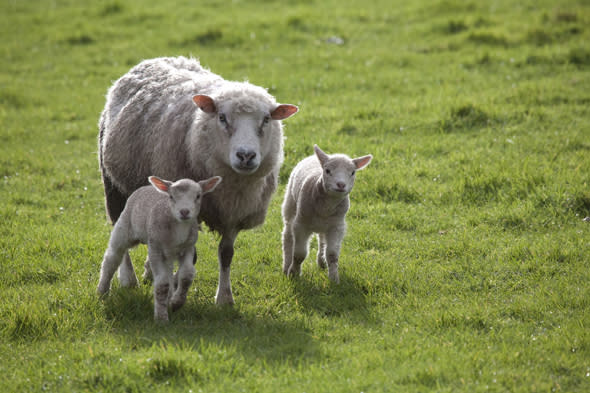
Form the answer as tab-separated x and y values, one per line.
316	201
173	118
165	218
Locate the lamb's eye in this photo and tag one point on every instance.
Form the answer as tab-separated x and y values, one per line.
328	172
222	118
266	120
353	172
198	197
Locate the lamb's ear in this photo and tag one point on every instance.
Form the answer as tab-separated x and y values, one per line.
283	111
210	184
160	184
323	157
362	162
206	103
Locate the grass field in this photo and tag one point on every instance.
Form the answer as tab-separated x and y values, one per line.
466	264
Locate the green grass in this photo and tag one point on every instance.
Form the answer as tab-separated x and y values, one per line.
465	267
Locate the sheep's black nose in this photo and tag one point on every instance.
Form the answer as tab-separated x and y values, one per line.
184	213
246	156
340	185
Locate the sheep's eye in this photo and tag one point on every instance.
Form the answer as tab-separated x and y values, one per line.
198	197
329	172
353	172
222	118
266	120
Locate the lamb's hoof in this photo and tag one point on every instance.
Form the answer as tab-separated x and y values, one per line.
128	282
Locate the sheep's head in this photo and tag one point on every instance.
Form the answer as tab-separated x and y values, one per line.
339	171
248	126
185	195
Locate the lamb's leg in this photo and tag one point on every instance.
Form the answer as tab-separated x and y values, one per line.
321	257
300	250
162	271
111	261
333	244
115	203
147	272
183	280
127	277
113	257
288	242
225	254
147	276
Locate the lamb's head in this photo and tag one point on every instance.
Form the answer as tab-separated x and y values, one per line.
246	121
185	195
339	171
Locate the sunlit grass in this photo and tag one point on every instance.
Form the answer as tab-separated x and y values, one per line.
465	267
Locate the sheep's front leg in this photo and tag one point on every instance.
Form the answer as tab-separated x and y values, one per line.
162	271
333	244
183	279
225	255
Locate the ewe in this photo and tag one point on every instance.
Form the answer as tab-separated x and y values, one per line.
173	118
316	201
165	218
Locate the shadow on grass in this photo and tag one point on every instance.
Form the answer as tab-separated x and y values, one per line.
346	299
201	324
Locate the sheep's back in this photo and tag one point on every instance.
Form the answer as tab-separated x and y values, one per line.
148	113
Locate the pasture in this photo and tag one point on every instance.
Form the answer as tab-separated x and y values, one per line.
466	263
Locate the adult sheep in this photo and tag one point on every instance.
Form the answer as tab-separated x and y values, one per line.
171	118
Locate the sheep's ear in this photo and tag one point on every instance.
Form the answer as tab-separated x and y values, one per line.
362	162
283	111
210	184
160	184
206	103
323	157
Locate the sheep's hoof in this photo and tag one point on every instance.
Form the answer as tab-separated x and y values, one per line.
176	304
334	277
224	299
161	318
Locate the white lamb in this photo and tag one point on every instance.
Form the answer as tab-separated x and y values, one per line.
316	201
165	218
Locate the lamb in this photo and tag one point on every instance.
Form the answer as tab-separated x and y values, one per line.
173	118
316	201
165	218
